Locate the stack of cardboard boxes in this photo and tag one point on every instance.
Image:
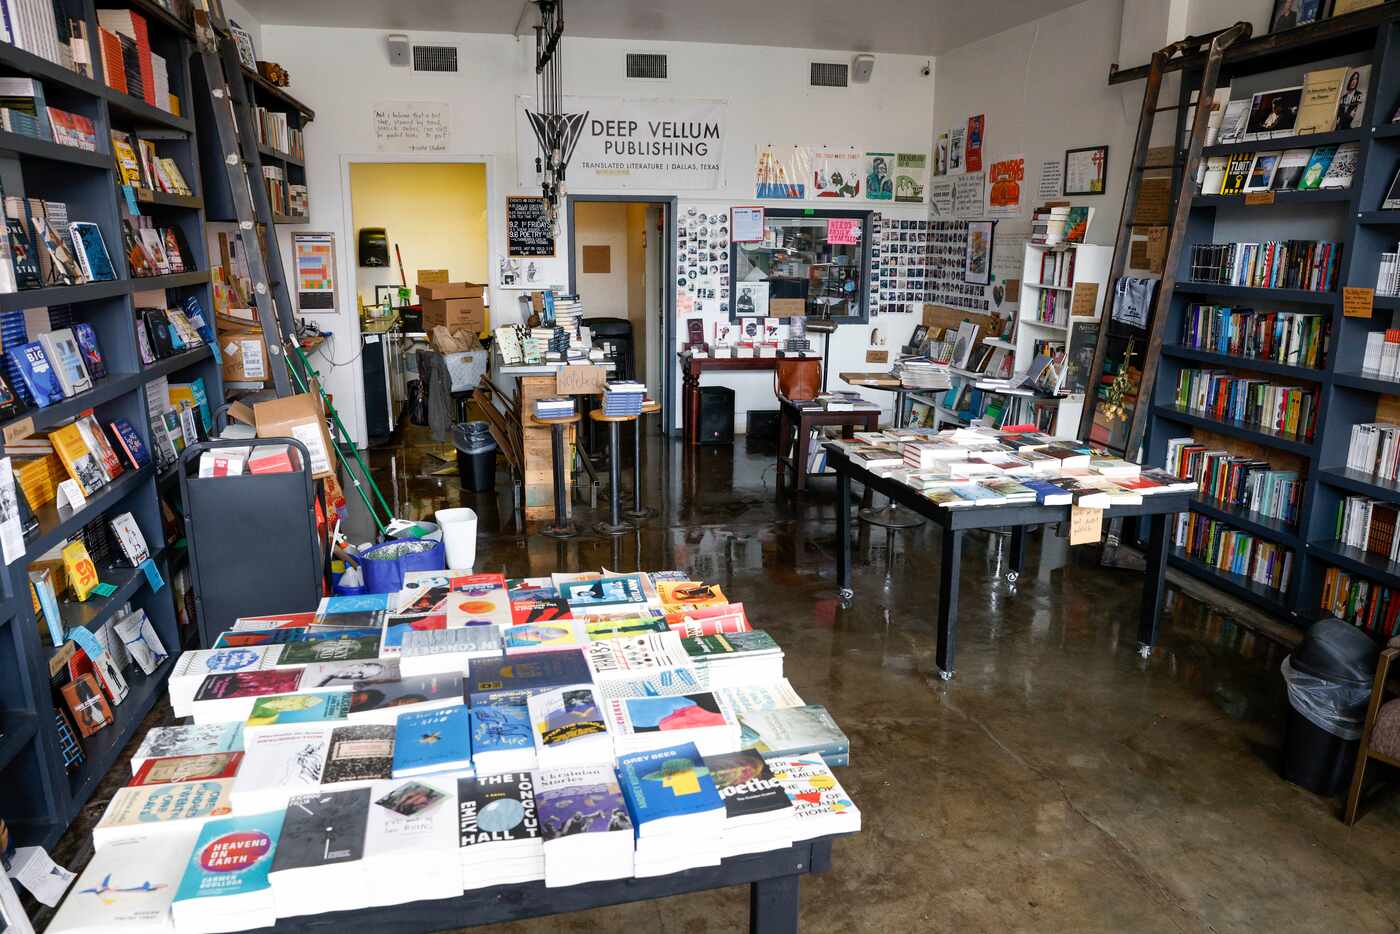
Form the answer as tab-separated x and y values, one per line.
455	305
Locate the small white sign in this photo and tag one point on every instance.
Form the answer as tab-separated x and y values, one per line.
412	126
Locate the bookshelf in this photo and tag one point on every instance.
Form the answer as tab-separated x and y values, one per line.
1345	394
42	797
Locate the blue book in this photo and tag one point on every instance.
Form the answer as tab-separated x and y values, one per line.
1047	493
129	443
431	741
667	783
39	377
231	857
201	402
511	680
358	603
500	728
91	350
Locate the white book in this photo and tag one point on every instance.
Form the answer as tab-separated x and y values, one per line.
127	887
170	812
191	668
278	766
411	840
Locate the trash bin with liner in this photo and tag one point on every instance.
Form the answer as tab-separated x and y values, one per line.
476	456
1329	686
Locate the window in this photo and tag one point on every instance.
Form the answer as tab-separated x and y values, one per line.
805	272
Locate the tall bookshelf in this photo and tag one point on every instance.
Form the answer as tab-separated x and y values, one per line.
40	798
1346	396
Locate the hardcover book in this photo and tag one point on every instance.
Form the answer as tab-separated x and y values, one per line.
78	459
360	753
91	350
188	768
39	377
27	274
97	442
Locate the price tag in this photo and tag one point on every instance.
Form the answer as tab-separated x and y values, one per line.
152	575
18	431
71	495
104	589
1085	525
1357	302
1258	197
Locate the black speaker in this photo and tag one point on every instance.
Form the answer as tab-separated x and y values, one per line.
716	415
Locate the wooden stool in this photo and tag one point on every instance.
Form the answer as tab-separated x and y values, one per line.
563	526
638	511
614	525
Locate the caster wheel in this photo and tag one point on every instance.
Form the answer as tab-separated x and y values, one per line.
1012	577
945	675
1144	651
845	593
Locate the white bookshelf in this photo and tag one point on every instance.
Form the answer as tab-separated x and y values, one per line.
1091	264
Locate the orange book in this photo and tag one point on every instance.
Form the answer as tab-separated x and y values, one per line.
81	462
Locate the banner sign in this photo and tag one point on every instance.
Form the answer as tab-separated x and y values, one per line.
625	144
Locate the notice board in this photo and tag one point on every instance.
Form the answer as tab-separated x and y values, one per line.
529	232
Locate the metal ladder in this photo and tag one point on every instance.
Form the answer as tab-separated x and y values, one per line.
238	141
1218	43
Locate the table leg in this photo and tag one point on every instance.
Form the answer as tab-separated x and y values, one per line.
804	441
1154	585
614	525
773	905
948	601
784	441
843	534
562	527
1017	557
690	385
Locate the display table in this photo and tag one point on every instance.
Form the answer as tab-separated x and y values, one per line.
1158	509
803	417
772	879
692	366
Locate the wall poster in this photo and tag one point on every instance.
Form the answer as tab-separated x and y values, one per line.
879	176
976	132
529	230
781	172
837	174
313	260
1006	187
910	177
967	195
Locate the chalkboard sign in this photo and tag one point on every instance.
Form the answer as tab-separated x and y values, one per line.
528	230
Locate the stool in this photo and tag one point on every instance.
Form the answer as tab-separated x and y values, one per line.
563	527
638	511
615	525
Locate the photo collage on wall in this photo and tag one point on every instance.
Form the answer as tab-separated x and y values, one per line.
877	223
947	259
702	260
904	266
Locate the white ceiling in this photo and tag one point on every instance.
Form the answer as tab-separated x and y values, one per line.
919	27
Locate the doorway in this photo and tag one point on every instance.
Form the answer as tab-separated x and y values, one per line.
621	261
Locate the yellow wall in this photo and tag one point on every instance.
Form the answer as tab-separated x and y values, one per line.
434	212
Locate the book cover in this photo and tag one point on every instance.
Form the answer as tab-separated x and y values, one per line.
96	262
428	740
1343	166
603	593
232	856
349	674
666	783
501	727
323	830
746	784
291	709
168	741
89	708
814	791
127	886
709	621
248	684
596	629
91	350
1317	111
419	689
27	273
666	712
61	349
496	809
1236	174
330	648
161	804
284	762
360	752
80	462
38	375
231	639
681	596
535	600
192	768
498	678
81	572
1316	168
792	730
560	634
1290	169
580	799
566	714
129	538
98	444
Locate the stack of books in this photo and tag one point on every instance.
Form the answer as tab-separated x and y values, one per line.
568	312
641	724
758	814
735	659
624	397
675	808
587	830
554	407
499	830
924	374
821	805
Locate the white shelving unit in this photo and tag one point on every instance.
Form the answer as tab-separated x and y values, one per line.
1091	264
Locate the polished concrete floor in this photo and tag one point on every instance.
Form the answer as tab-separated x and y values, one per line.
1058	783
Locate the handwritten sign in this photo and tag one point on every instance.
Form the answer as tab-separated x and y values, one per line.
412	126
1259	197
528	230
1357	303
1086	297
967	195
843	230
940	198
1085	525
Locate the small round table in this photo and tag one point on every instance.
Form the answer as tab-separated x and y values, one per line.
563	526
614	525
638	511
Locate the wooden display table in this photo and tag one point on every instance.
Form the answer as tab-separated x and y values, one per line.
793	453
692	365
772	879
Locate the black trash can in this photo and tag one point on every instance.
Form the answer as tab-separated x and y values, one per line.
1329	686
476	456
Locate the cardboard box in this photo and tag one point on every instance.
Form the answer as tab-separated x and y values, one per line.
465	313
245	356
787	308
441	291
298	417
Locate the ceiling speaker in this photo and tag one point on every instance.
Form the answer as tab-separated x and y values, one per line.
400	55
862	67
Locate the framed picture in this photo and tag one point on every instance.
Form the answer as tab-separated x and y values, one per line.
977	268
1290	13
1086	171
1274	113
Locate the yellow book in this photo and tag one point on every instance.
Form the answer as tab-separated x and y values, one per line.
128	166
679	596
1317	112
82	573
81	462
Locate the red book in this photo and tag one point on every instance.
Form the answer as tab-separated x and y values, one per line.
709	621
278	621
170	769
133	25
112	68
249	684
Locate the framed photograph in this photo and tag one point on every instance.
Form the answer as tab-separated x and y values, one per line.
1291	13
1086	171
977	268
1274	113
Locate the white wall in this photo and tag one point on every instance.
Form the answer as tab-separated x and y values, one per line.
341	72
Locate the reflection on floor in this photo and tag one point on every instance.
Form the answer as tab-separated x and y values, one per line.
1059	783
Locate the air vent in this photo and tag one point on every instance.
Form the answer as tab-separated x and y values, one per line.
830	74
434	58
646	65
